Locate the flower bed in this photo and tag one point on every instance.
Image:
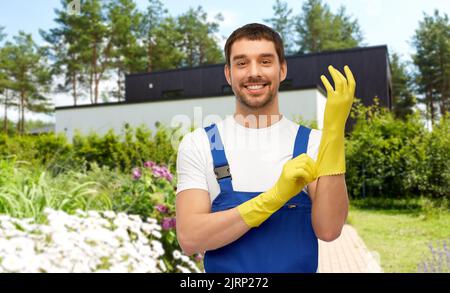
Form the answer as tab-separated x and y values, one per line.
86	242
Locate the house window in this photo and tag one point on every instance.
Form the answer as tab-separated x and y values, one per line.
172	94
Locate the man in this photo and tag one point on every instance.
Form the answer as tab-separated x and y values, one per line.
261	207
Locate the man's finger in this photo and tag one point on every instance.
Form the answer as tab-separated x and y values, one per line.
351	80
338	84
343	79
327	84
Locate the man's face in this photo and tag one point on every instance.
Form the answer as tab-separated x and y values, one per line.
255	72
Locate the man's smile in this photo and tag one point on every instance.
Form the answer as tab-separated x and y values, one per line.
255	88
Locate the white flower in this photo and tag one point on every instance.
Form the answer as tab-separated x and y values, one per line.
109	214
176	254
162	265
84	242
183	269
156	234
12	263
93	214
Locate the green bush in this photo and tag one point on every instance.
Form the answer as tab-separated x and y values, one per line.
388	157
48	150
57	155
434	179
124	152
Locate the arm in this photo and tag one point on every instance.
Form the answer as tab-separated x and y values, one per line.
329	206
329	192
198	229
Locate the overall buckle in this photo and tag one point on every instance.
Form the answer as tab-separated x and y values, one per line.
222	172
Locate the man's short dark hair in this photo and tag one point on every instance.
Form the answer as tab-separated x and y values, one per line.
255	31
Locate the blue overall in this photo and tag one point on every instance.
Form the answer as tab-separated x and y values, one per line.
284	243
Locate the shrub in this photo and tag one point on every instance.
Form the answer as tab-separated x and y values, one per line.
388	157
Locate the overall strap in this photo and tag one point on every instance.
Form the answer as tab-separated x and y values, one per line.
221	167
301	141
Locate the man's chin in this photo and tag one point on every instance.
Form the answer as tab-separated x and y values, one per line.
254	102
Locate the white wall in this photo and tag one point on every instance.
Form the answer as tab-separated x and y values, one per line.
307	103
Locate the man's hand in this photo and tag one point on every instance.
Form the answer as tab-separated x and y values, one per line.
331	156
339	100
296	174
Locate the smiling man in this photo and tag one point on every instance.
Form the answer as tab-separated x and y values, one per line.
256	190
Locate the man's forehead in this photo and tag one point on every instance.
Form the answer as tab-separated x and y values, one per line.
249	48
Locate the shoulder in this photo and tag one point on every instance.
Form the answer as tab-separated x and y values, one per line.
194	140
314	136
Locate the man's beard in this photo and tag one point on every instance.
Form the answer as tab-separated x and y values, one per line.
254	102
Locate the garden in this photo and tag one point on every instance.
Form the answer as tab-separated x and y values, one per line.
107	203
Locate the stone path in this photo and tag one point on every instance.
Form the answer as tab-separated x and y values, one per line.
347	254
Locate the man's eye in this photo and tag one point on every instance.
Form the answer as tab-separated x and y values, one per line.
266	61
241	63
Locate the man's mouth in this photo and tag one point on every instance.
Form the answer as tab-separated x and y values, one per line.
255	88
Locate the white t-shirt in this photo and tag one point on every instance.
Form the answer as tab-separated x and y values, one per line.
255	155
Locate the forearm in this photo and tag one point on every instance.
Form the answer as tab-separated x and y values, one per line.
330	207
213	230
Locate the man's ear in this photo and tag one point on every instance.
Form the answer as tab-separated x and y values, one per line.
227	72
283	71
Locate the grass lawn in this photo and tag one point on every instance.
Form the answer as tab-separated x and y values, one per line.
400	231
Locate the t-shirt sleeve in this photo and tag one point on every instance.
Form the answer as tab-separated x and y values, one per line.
314	143
191	165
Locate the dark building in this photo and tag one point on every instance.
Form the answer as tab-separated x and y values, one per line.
370	66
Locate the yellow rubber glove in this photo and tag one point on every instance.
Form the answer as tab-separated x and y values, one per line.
331	156
296	174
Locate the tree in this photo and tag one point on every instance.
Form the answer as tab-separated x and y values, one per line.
153	19
166	53
124	22
318	29
96	35
402	91
5	83
29	76
68	51
283	23
199	44
432	60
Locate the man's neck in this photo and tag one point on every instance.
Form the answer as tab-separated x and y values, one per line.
257	119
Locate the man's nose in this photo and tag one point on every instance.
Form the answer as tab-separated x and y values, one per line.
254	69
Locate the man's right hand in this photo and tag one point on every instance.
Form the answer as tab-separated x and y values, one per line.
296	174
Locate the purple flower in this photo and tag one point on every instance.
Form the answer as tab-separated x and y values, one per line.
168	223
162	172
162	208
149	164
136	173
198	257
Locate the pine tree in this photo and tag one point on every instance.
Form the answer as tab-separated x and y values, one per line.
199	44
432	59
283	23
29	75
318	29
402	91
124	21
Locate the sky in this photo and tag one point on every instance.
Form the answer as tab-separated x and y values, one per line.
383	22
